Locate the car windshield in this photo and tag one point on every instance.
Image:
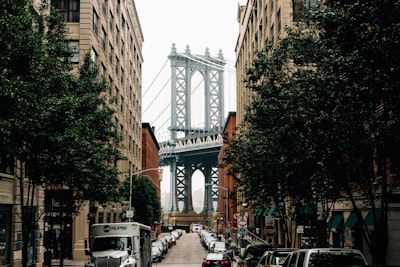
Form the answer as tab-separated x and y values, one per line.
326	259
111	243
279	257
257	251
214	256
221	245
157	244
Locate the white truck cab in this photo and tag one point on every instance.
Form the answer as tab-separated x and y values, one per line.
118	244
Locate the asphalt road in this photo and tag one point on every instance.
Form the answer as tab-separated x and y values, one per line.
187	252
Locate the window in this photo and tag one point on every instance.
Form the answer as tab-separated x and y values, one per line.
101	217
5	233
279	22
69	8
110	53
33	238
103	38
272	34
116	95
110	85
117	36
116	64
95	22
104	6
118	5
110	21
6	159
122	75
122	48
73	45
302	6
93	56
123	22
102	70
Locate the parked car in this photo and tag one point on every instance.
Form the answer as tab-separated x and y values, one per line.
159	244
217	260
165	244
208	241
206	235
332	257
172	240
274	258
253	253
156	254
222	247
165	240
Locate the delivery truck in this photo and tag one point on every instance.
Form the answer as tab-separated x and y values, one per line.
119	245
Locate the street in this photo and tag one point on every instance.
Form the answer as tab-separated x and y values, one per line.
187	252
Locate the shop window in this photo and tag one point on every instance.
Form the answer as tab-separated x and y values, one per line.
5	234
33	237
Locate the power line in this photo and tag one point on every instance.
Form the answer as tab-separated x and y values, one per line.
156	96
159	115
155	78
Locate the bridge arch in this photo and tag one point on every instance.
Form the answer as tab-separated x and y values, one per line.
193	148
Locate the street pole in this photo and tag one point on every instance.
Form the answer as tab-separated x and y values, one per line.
226	213
226	206
130	189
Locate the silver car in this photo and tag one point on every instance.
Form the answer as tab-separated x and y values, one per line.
222	247
334	257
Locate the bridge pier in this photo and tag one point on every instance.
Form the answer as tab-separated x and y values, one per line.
191	149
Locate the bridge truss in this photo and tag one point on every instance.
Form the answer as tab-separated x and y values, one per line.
190	149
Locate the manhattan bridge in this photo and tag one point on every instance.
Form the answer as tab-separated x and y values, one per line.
194	90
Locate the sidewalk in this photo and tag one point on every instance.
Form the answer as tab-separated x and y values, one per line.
69	263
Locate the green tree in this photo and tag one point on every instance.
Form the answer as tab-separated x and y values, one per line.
325	119
145	201
57	126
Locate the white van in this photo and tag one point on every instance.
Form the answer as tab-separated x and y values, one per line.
196	228
330	257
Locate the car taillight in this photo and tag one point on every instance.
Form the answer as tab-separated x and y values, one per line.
225	262
206	261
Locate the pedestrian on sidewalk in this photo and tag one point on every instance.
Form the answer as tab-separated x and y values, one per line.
47	256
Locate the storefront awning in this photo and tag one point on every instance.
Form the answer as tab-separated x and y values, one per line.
351	220
258	212
369	219
269	211
335	221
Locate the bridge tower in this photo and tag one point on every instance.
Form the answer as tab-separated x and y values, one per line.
190	149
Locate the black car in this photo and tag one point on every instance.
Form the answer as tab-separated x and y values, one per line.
217	260
253	253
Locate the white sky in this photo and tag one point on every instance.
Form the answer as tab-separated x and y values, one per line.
200	24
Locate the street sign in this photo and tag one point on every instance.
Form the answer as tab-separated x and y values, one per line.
129	214
269	230
300	229
242	230
242	222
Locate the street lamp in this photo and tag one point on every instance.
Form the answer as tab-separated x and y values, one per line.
130	214
226	205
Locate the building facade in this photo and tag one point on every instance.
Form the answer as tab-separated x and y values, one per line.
263	22
260	22
227	183
110	31
150	148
